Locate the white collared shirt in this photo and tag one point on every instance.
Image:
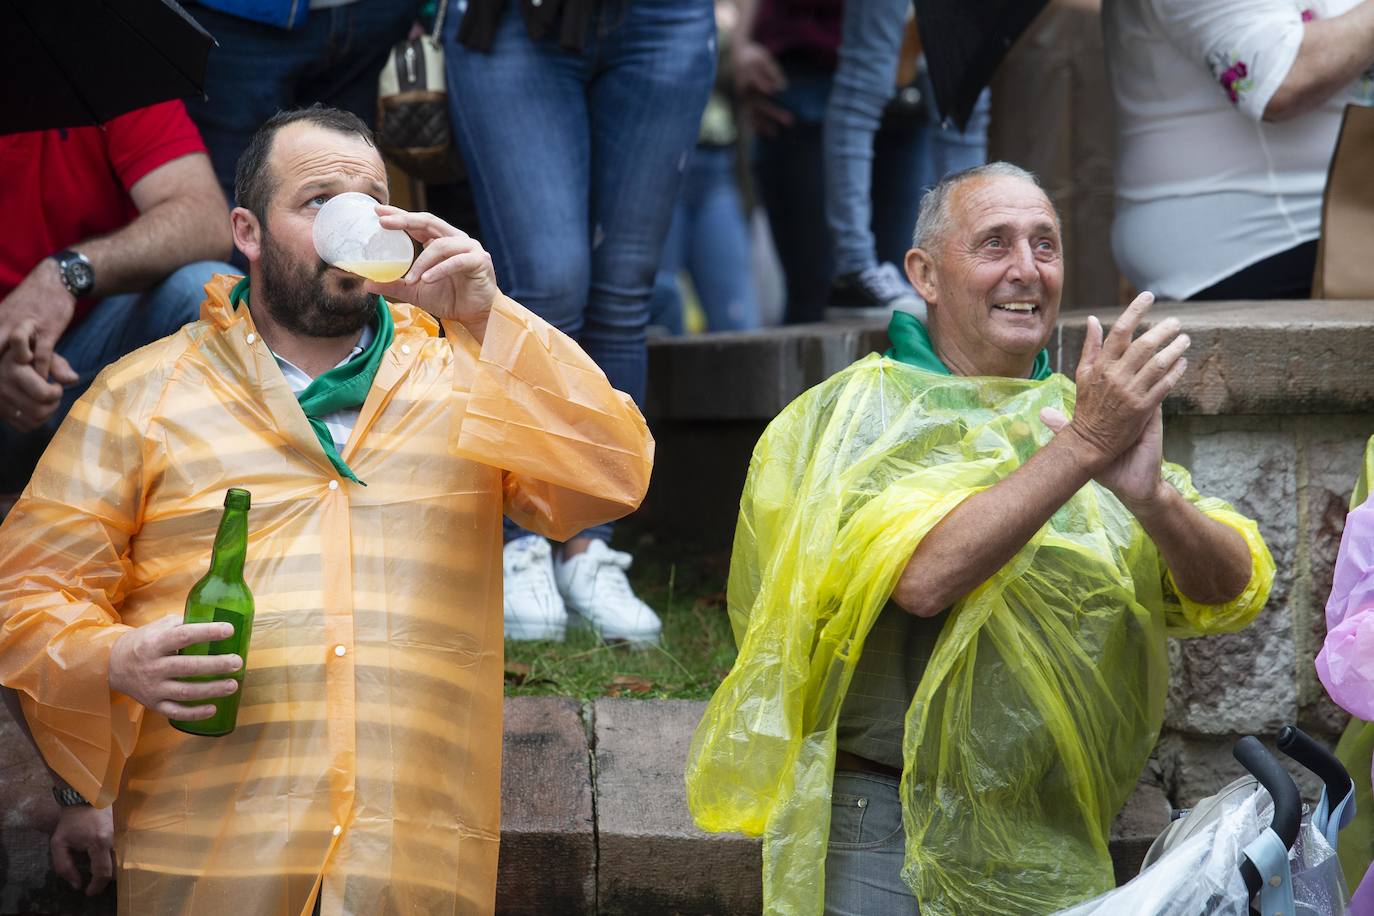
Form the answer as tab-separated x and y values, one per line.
341	422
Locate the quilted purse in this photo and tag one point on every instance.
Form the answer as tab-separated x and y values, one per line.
412	108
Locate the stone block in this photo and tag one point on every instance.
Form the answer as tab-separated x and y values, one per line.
1332	452
1256	357
1193	767
548	837
1243	682
653	858
28	886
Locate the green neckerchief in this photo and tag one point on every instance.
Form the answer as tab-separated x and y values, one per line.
341	388
911	345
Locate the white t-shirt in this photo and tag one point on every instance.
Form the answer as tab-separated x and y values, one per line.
1205	187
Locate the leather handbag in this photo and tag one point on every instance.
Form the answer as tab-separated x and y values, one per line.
1345	269
412	108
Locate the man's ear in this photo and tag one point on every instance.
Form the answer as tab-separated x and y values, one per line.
920	271
247	232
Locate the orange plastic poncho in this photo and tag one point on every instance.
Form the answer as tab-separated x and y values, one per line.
367	756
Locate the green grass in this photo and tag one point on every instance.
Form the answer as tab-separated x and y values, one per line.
686	586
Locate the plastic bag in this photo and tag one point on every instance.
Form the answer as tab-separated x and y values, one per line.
1045	692
1202	875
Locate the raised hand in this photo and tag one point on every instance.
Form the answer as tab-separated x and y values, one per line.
452	278
1121	384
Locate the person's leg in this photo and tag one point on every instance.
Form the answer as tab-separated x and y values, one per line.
249	77
788	172
654	68
953	150
863	863
718	253
117	326
665	305
864	82
900	152
520	117
361	36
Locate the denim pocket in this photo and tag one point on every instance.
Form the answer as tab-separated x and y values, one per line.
864	821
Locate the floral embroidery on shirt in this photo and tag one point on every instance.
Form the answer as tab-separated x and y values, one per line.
1233	75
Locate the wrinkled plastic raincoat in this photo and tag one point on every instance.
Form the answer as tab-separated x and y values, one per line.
368	749
1045	692
1346	668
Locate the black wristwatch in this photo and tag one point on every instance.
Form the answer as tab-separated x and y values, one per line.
67	797
76	271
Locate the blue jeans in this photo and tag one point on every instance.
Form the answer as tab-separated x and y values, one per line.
863	85
259	69
790	175
117	326
710	239
576	158
863	862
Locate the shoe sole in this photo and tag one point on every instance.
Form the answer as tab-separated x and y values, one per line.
534	632
643	639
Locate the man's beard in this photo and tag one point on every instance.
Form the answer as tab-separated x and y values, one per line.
297	299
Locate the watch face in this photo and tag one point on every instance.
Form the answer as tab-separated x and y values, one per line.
81	276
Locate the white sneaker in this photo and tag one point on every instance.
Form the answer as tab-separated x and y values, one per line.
534	609
598	596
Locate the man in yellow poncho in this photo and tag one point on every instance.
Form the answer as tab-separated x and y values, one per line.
363	776
951	600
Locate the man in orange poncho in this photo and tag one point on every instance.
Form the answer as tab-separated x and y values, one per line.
363	774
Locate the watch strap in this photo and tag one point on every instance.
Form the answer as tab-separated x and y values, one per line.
68	797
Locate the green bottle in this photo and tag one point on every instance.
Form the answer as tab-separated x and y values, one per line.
222	596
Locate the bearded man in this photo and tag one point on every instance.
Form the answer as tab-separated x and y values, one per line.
363	775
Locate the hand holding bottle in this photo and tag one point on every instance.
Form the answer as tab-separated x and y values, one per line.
144	664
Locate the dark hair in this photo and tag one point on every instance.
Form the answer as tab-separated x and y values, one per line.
254	183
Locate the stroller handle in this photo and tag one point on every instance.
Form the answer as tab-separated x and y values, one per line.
1294	742
1281	788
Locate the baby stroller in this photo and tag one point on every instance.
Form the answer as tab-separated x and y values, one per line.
1252	842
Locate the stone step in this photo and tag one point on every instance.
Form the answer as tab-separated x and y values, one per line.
594	820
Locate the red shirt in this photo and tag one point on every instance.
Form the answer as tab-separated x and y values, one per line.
61	187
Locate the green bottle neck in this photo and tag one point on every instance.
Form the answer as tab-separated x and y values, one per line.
231	545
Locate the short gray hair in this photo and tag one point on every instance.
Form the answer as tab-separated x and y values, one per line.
934	221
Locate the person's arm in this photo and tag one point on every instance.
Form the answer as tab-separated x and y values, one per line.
1209	562
182	217
1334	52
575	451
1120	385
80	828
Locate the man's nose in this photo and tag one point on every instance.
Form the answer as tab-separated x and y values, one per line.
1022	266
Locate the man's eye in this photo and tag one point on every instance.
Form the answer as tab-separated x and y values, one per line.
319	200
993	243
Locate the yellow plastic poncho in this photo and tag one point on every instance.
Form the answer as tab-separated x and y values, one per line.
368	750
1045	692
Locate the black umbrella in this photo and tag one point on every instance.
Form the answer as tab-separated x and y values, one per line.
964	41
69	63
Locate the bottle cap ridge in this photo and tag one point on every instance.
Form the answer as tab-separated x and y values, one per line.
237	498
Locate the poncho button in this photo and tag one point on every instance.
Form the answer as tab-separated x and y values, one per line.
333	484
250	338
337	830
405	348
340	651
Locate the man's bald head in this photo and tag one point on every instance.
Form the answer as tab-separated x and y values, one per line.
936	217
